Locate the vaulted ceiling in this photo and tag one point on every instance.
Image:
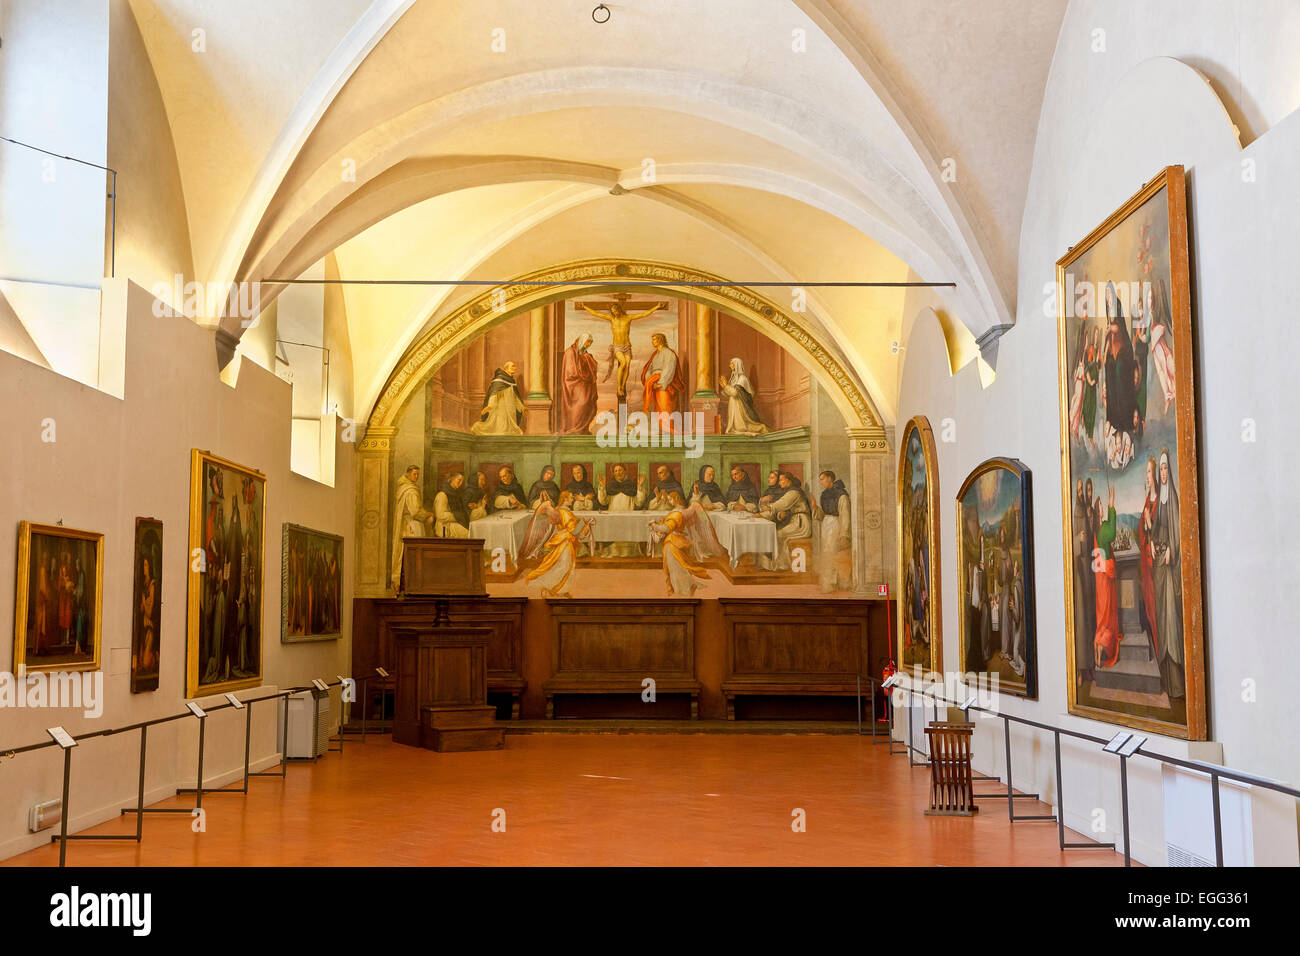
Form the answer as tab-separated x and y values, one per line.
775	140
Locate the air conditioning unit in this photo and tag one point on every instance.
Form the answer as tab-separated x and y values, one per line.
307	735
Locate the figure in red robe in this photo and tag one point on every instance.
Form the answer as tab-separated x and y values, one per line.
577	387
665	383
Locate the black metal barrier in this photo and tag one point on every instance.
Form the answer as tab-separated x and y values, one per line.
198	790
1213	771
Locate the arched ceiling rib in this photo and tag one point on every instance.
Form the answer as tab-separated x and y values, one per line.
800	137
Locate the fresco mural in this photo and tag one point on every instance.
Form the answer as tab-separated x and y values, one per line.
615	440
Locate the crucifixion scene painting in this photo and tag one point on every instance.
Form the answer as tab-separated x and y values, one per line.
624	440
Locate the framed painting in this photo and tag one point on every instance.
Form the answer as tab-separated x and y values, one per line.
58	599
920	634
146	605
996	631
1131	527
311	585
224	611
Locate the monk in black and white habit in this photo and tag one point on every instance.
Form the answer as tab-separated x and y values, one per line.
665	485
582	490
544	489
621	493
742	493
503	406
509	494
836	564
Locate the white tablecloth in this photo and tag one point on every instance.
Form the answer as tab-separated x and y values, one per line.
744	535
621	525
505	530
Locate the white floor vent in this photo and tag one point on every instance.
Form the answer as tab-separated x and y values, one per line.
1189	820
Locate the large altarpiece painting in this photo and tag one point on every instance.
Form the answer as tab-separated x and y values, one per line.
1135	652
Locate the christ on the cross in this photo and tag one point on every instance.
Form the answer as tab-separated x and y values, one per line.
620	325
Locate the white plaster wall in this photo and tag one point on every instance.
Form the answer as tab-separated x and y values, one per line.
115	459
1110	122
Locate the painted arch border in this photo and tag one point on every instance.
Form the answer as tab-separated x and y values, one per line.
921	425
1024	475
504	301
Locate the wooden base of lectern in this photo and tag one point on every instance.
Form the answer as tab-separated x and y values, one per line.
451	730
441	689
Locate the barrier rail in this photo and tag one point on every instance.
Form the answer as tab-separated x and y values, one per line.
1214	771
198	790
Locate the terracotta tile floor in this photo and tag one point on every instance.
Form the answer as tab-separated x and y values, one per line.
596	799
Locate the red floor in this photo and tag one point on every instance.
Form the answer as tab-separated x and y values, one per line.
603	799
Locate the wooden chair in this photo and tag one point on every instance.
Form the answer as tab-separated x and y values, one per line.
952	793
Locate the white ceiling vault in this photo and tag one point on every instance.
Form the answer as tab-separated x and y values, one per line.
774	140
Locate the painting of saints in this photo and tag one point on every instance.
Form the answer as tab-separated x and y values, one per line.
581	489
834	511
742	493
620	326
509	493
224	632
544	489
792	513
664	378
621	493
742	414
476	497
578	387
410	520
1166	548
57	598
1135	651
147	605
918	557
555	533
450	512
503	406
706	492
687	540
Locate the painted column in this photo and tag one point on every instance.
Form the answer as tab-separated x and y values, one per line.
871	468
538	400
705	400
373	555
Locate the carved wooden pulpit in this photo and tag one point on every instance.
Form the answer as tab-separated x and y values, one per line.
441	670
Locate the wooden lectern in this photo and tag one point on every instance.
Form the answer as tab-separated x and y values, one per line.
441	670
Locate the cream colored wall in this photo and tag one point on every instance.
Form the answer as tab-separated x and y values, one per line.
153	241
113	460
1158	112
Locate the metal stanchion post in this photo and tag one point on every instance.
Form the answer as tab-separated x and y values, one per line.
1218	822
63	821
248	739
139	797
198	791
1123	795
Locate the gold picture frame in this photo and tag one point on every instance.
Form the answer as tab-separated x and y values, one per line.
38	607
909	576
234	547
1016	577
1131	616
